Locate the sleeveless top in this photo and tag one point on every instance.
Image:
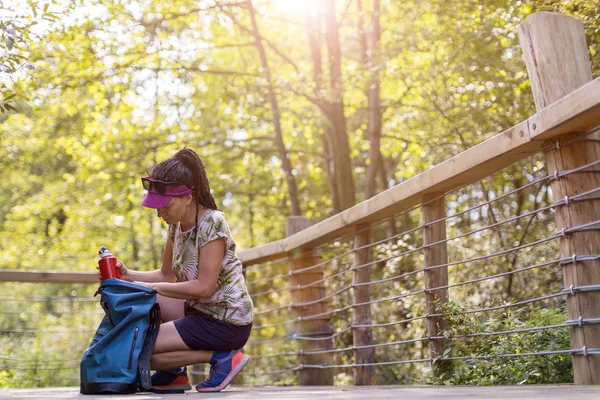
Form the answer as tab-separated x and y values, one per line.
231	301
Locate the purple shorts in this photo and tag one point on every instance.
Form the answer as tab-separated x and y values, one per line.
200	331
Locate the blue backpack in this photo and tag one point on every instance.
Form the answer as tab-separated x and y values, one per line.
118	358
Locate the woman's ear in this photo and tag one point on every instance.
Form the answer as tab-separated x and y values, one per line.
188	199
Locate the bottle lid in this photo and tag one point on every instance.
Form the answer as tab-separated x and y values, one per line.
104	252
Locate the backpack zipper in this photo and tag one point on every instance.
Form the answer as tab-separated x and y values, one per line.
135	335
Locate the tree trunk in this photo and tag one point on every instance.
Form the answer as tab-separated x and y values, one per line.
281	150
335	112
313	28
370	59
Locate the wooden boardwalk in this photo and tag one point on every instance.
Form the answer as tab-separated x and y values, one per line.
533	392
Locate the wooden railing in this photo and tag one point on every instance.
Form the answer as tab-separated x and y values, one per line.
568	103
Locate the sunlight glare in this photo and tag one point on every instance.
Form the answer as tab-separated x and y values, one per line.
297	6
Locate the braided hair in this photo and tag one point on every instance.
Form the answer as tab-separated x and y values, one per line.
186	167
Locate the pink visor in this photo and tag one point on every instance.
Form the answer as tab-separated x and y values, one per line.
154	199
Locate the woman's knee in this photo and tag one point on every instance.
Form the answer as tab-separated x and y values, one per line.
170	309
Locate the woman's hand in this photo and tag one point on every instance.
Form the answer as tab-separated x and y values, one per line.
123	271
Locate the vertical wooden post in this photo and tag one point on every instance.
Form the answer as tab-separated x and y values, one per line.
556	55
362	313
434	208
317	327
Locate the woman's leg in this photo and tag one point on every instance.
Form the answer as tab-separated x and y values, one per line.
175	359
170	309
170	351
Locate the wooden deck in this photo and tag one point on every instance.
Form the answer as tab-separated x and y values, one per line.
545	392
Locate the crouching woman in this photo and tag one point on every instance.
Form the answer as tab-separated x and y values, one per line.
206	309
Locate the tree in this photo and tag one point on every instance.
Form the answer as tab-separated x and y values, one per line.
335	112
295	208
16	27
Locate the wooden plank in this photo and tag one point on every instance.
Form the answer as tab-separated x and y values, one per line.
48	276
576	112
278	392
262	253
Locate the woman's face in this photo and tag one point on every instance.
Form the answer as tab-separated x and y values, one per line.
175	210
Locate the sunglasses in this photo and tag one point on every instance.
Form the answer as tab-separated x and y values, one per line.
160	186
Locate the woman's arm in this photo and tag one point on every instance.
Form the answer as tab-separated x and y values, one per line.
164	274
209	266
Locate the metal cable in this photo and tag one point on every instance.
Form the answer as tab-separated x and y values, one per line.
404	253
51	313
558	144
504	306
472	357
580	197
310	352
556	175
402	233
291	305
276	372
4	359
370	226
561	233
264	265
314	316
28	331
469	335
19	368
48	299
510	355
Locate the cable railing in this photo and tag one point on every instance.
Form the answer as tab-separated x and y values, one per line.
286	329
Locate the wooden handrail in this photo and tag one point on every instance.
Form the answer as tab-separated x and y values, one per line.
47	276
577	112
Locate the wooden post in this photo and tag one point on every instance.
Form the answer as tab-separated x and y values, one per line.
434	208
362	313
317	327
557	60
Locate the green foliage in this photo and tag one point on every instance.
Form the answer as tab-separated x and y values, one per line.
507	370
17	27
44	334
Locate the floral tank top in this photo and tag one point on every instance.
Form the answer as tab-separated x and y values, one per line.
231	301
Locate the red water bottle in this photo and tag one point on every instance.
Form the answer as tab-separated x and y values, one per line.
107	264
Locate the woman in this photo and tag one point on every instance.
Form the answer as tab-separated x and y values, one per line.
205	306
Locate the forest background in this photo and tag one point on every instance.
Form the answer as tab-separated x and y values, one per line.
296	108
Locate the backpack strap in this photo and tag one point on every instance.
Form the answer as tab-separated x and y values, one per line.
146	353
